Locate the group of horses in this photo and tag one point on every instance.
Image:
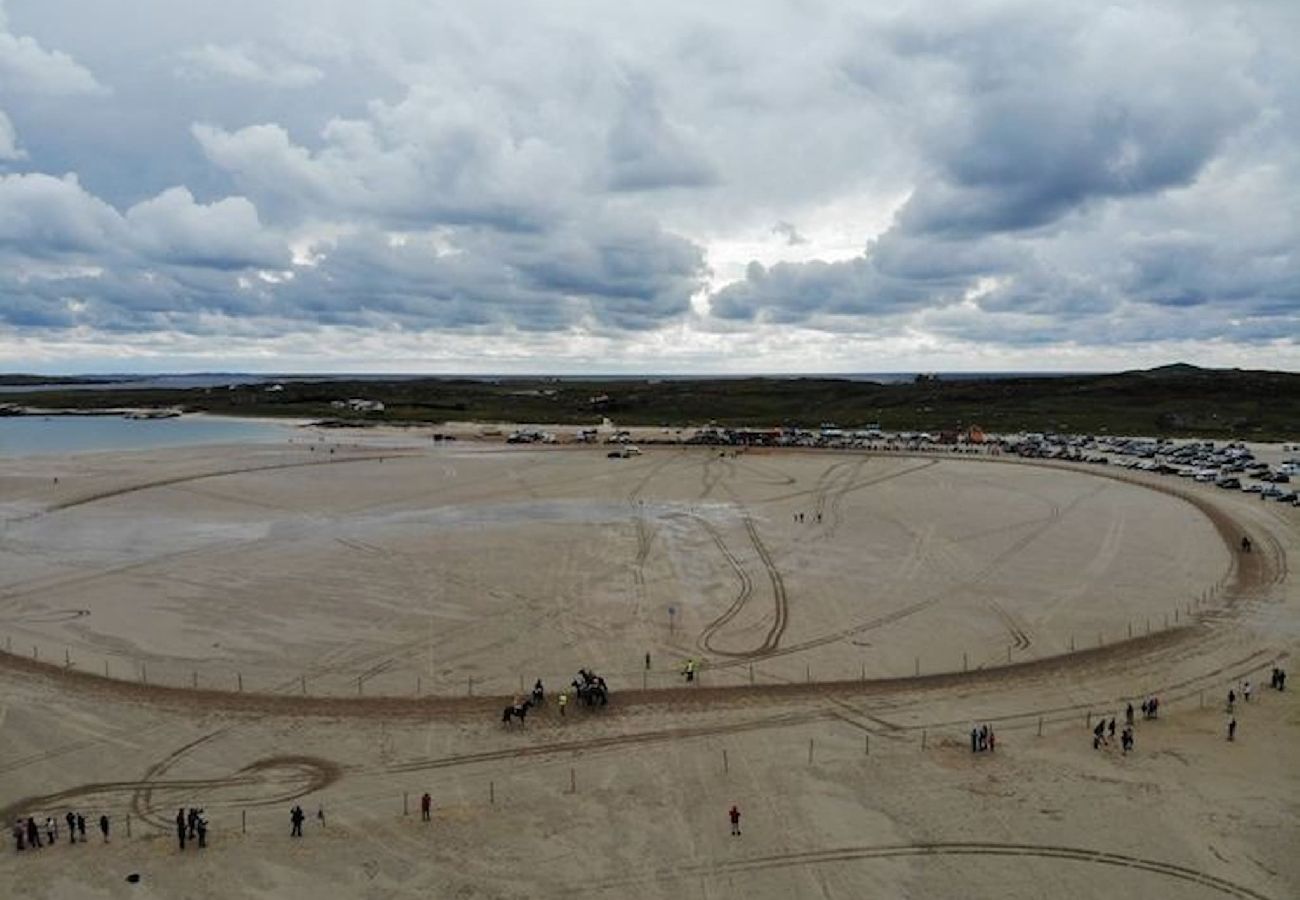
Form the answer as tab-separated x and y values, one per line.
588	688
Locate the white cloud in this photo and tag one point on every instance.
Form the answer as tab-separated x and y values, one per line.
248	63
26	66
9	149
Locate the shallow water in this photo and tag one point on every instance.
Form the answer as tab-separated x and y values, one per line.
32	435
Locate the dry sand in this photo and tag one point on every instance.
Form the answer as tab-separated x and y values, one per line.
379	603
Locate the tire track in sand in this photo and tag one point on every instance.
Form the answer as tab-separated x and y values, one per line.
1174	871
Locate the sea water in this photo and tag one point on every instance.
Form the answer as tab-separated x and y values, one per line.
35	435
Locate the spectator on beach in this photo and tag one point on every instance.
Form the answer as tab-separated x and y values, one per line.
992	740
1232	728
201	829
426	805
1232	699
180	828
1245	692
51	830
81	827
20	833
734	815
296	816
33	834
103	827
974	739
1128	714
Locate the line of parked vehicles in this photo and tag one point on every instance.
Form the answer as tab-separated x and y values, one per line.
1231	466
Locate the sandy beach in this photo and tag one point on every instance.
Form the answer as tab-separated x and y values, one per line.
338	621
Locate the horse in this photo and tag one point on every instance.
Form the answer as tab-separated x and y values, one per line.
516	711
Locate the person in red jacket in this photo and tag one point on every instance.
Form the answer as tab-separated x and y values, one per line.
734	815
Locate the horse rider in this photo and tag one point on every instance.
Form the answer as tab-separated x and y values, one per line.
1245	544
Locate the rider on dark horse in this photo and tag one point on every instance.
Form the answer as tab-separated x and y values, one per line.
1245	544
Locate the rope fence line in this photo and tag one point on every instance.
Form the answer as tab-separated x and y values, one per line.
381	682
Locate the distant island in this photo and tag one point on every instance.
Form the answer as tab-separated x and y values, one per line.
1175	401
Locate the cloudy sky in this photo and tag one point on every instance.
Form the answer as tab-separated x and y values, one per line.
806	186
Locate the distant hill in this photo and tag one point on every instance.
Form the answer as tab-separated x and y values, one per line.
1177	400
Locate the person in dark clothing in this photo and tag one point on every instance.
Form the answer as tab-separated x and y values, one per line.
71	819
201	829
103	827
296	816
1232	729
734	815
20	836
81	827
1110	729
426	805
180	827
974	740
33	834
1128	714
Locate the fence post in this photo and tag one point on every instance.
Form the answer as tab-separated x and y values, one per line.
917	667
492	792
866	745
964	664
863	674
470	682
194	679
128	824
67	658
406	811
1175	615
751	673
1130	629
144	673
1040	726
922	738
239	680
807	673
573	781
810	751
302	680
358	685
418	690
1071	643
36	653
243	821
105	668
726	767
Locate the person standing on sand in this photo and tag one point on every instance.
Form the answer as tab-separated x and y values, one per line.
51	830
993	739
81	827
296	816
426	804
734	815
564	701
1128	714
180	828
71	819
103	827
1232	699
33	834
1245	691
974	739
1232	728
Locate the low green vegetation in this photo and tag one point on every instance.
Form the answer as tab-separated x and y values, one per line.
1175	401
